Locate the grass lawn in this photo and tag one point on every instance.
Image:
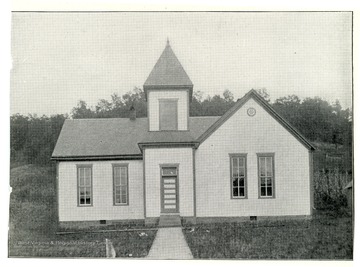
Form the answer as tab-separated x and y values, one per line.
33	226
323	237
33	223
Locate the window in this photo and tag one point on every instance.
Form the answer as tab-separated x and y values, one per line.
238	175
168	114
120	177
84	177
169	171
266	175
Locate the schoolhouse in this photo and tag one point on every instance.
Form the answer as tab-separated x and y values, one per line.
247	164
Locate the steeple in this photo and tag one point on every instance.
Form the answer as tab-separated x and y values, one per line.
168	72
168	92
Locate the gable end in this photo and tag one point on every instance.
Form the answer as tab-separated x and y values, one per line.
253	94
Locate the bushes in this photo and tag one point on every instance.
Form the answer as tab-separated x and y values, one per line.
33	213
328	189
32	138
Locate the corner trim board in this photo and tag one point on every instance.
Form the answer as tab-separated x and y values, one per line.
144	185
311	183
57	192
194	182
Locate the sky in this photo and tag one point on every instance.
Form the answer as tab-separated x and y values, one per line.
61	58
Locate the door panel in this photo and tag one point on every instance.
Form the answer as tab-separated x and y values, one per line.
169	190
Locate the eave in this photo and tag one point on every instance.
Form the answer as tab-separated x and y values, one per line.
193	144
168	87
109	157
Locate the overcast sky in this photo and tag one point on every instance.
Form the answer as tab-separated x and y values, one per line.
60	58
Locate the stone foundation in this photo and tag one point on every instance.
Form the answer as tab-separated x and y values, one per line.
154	221
251	218
151	221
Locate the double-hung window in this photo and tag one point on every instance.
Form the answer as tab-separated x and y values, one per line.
266	175
120	181
238	175
84	181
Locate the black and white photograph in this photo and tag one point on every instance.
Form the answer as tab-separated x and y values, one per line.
187	135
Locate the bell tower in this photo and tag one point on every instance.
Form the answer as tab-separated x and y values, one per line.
168	92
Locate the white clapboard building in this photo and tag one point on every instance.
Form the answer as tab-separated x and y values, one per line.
247	164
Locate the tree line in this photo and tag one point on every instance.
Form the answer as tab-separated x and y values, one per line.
33	138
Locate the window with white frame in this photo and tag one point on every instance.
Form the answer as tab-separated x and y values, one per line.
120	177
84	178
266	175
238	175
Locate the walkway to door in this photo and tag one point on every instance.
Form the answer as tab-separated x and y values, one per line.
169	244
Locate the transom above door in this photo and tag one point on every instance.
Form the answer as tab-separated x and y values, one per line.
169	189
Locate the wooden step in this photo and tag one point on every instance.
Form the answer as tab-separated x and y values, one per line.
170	220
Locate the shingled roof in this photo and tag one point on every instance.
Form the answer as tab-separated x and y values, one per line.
168	71
118	138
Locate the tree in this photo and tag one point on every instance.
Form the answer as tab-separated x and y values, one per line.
103	106
33	138
215	106
315	118
288	107
264	94
228	96
195	104
198	96
119	106
18	129
82	111
135	98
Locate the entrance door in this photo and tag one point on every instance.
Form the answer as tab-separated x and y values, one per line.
169	189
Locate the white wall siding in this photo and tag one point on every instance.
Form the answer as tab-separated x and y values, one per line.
153	158
103	208
258	134
153	107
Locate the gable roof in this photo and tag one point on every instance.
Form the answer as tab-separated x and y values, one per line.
121	138
253	94
168	71
118	138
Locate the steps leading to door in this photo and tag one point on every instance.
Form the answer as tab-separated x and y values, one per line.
170	220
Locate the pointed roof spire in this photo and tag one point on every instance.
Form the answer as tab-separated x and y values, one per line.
168	71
